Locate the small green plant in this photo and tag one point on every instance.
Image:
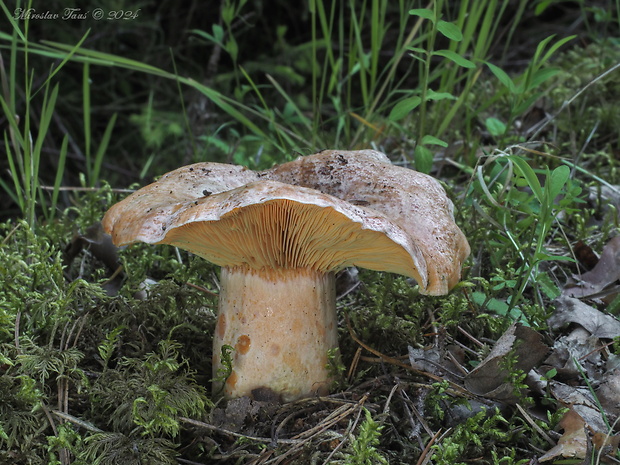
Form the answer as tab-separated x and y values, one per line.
524	217
364	445
423	155
146	395
226	368
106	348
527	88
484	431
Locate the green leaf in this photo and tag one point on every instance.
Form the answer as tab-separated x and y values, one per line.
232	48
541	76
529	175
492	304
546	284
527	103
552	49
423	13
436	96
557	180
543	257
404	107
216	38
432	140
502	76
542	6
62	157
228	13
450	30
495	127
218	33
419	50
455	57
423	159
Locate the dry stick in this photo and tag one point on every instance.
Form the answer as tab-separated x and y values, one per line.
598	349
386	407
18	318
202	289
63	383
85	189
337	415
457	364
417	414
8	236
83	322
354	364
189	462
533	424
63	452
276	433
424	458
331	419
470	337
227	432
345	439
118	271
77	421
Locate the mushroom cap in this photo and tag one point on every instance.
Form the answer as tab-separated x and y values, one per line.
269	225
415	201
325	212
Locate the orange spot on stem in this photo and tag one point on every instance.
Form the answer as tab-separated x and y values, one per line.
243	344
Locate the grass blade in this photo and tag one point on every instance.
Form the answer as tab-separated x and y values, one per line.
86	117
59	173
101	150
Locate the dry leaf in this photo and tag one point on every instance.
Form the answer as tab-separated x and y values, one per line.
571	310
608	392
579	345
608	443
606	272
489	378
585	255
574	441
581	401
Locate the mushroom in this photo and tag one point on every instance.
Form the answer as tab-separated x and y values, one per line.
280	235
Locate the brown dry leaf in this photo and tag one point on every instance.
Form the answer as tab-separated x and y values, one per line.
608	443
574	441
574	353
489	378
608	392
581	401
585	255
606	272
571	310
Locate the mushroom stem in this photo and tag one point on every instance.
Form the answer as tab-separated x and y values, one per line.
281	325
